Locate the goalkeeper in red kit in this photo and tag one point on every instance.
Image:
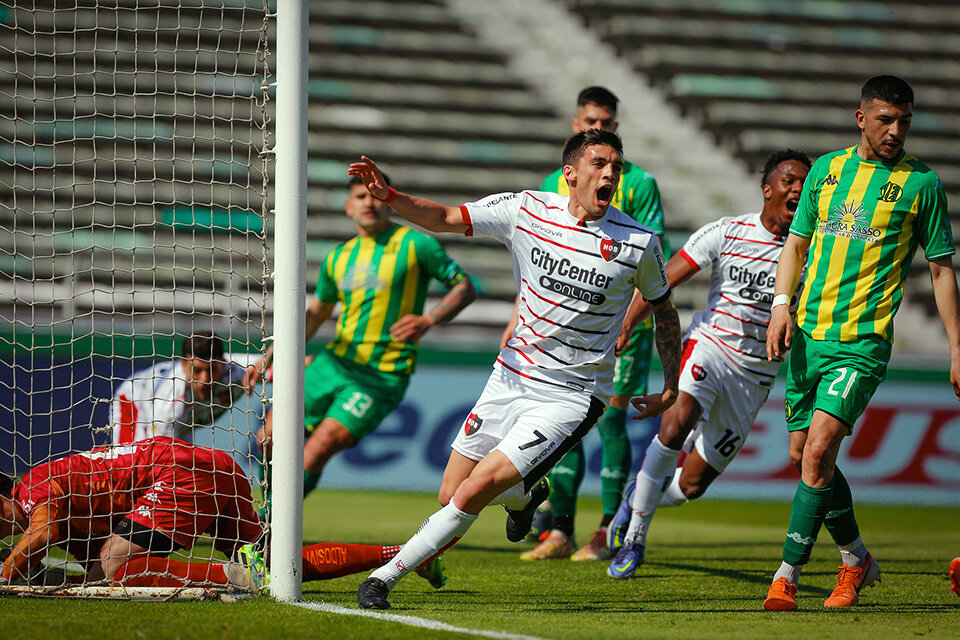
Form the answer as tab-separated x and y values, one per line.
121	510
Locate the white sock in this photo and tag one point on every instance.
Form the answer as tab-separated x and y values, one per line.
513	498
659	466
673	496
437	532
853	554
789	571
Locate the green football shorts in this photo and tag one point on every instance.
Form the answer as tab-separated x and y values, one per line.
839	378
358	397
633	365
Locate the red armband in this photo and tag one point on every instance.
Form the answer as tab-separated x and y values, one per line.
391	195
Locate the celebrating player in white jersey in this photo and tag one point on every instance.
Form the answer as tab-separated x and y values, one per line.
172	397
725	376
576	261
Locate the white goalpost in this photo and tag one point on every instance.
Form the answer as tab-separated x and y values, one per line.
136	210
293	18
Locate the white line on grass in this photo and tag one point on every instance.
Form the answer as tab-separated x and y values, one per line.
412	621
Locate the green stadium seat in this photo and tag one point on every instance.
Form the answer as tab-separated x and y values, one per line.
217	220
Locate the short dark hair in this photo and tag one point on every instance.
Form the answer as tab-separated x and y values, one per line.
578	142
777	157
356	180
205	346
887	89
6	485
598	95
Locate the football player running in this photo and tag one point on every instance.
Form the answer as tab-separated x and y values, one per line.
577	262
724	377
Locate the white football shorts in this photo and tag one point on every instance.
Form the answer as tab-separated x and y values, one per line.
729	402
534	426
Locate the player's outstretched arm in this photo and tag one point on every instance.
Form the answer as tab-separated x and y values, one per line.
667	335
780	329
411	327
422	212
32	546
948	305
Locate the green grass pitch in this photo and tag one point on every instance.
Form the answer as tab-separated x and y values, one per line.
708	567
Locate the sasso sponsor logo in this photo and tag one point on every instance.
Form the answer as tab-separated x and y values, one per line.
361	276
849	220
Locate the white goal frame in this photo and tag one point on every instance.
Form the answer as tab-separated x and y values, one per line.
290	234
289	179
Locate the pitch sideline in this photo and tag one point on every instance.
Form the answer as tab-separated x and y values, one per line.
412	621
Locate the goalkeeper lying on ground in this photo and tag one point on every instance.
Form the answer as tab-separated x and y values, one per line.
120	511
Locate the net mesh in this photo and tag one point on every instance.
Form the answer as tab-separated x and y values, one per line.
133	214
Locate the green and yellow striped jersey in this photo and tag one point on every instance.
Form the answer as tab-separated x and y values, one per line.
865	221
637	196
378	280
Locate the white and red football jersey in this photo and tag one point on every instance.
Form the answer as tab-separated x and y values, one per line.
575	280
744	256
158	401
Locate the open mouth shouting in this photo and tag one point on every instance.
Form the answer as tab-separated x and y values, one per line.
604	195
792	204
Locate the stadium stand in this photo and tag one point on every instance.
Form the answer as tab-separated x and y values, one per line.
162	163
765	74
112	140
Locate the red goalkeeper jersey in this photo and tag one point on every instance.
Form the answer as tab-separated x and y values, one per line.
164	484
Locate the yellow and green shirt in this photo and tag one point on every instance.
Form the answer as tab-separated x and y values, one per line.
378	280
865	221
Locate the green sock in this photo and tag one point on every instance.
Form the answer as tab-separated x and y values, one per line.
565	480
809	508
840	521
310	481
616	457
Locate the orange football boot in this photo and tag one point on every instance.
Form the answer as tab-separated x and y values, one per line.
850	580
782	596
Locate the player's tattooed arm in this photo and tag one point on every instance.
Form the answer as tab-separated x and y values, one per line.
667	322
411	327
667	335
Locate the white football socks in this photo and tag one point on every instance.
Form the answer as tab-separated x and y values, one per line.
789	571
436	533
513	498
853	554
673	496
659	465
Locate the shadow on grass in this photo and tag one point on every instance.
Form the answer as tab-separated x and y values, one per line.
752	577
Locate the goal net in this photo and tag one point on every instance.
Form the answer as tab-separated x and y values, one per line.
133	215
